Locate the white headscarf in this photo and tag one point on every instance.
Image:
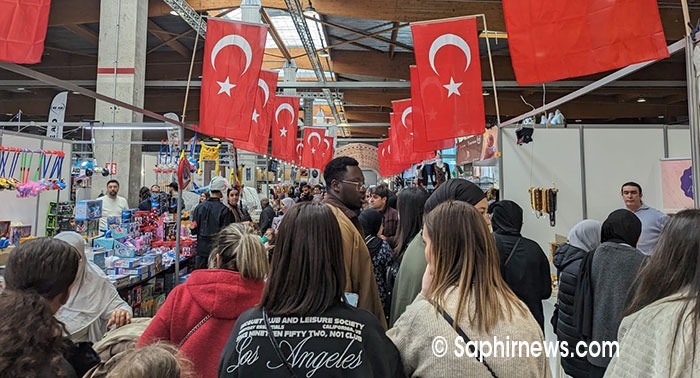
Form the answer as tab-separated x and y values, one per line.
92	298
585	235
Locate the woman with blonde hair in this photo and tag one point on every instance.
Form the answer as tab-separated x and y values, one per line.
199	315
158	360
463	294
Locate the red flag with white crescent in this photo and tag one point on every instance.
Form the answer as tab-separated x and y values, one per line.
328	150
263	112
420	132
449	69
284	127
314	147
387	166
403	124
233	55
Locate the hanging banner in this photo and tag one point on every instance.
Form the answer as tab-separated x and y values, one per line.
676	184
469	149
57	115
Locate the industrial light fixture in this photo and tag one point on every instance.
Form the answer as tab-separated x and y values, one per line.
661	116
578	121
486	93
310	11
641	99
323	54
172	12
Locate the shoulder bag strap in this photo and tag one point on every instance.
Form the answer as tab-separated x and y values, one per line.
276	346
472	349
512	251
193	330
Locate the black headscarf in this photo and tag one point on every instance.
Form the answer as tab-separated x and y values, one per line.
507	218
455	189
621	226
371	221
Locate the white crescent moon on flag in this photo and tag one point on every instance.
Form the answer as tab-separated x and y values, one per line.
287	107
449	39
232	40
300	145
328	145
314	134
388	149
406	112
383	152
262	84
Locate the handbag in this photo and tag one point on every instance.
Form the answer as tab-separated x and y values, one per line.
472	349
276	346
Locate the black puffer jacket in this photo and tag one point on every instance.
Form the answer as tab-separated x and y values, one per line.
567	260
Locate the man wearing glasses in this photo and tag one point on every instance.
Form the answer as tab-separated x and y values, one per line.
345	190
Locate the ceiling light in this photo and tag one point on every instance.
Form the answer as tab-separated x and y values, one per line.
578	121
310	11
76	93
661	116
323	54
641	99
174	13
486	93
20	89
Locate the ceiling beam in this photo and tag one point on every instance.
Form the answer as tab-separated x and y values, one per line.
357	44
349	41
159	33
172	39
275	35
84	32
391	42
392	45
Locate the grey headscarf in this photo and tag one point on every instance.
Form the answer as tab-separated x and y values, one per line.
585	235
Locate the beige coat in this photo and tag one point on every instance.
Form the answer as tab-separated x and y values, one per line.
416	330
359	272
647	347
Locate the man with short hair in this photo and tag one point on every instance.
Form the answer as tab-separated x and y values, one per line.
208	219
378	200
345	185
112	204
653	220
266	216
155	189
305	195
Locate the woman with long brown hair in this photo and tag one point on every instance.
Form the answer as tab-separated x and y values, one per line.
660	336
304	325
464	295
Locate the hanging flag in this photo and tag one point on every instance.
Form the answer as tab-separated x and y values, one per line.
420	132
557	39
284	127
403	123
447	58
23	26
259	137
233	54
315	145
329	150
298	152
387	166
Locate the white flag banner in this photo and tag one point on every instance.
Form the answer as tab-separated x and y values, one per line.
57	114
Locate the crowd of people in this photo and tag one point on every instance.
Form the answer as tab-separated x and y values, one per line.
356	281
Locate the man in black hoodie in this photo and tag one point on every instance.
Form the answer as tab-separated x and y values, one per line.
524	266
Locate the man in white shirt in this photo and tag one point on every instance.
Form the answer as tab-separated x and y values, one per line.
112	204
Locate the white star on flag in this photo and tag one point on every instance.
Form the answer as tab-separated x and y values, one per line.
255	116
313	150
452	88
225	86
283	131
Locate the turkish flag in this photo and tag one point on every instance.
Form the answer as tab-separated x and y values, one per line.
298	151
284	127
329	151
556	39
315	145
259	137
233	55
387	166
23	26
420	131
403	124
447	58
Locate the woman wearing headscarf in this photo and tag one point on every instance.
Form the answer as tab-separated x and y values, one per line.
413	263
379	251
94	303
524	266
285	204
583	238
613	269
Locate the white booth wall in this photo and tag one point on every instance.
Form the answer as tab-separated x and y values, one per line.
611	155
33	210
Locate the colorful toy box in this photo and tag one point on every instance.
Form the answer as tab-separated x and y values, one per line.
88	210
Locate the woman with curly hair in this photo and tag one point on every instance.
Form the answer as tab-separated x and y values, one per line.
38	280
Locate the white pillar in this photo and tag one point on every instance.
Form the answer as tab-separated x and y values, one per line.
250	11
121	70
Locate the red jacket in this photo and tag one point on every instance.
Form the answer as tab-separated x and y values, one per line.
221	293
